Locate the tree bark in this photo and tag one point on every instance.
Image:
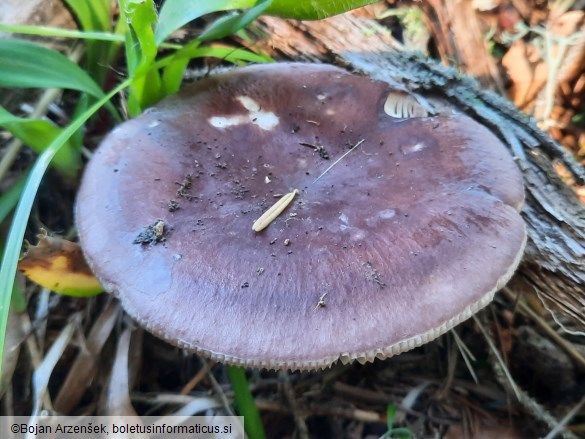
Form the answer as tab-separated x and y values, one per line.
554	262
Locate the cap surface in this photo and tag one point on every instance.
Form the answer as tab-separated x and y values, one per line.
402	238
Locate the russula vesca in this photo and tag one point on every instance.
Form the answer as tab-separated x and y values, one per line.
405	237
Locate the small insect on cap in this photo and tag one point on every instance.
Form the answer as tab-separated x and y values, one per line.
288	216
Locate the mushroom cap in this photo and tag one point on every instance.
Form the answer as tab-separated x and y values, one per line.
407	235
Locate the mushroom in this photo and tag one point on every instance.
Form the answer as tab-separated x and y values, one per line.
401	228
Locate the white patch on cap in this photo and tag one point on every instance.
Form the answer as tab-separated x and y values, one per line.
419	146
224	122
249	104
265	120
387	213
345	220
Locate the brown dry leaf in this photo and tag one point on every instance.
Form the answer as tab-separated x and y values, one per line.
118	396
529	72
12	341
83	369
485	5
563	22
59	265
570	24
42	373
506	337
526	72
483	432
196	406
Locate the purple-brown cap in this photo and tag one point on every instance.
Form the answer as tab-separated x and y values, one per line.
401	227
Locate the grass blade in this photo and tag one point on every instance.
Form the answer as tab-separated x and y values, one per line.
246	404
10	197
230	24
236	56
174	65
173	74
390	415
93	15
28	65
19	223
47	31
313	9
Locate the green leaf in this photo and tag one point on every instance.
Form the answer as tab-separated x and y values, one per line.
246	404
19	223
176	13
28	65
92	15
95	15
38	134
140	15
230	24
402	433
145	92
10	197
390	415
18	300
174	65
141	51
173	75
236	56
313	9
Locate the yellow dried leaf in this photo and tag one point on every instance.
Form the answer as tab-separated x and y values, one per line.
272	213
59	265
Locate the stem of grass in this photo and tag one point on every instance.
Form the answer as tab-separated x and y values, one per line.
246	404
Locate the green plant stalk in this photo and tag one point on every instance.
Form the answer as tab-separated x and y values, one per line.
141	52
21	216
223	53
246	404
48	31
